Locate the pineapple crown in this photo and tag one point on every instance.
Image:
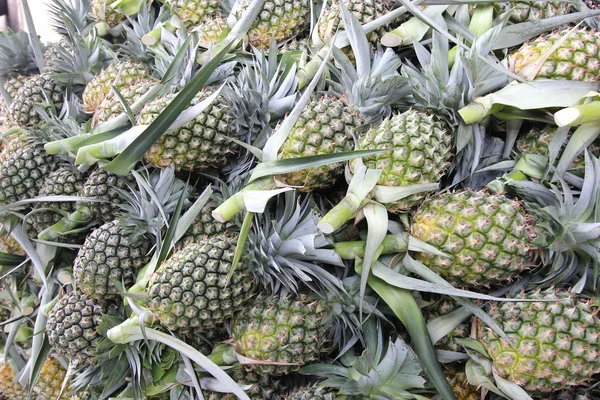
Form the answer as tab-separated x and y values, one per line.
69	16
145	22
16	54
150	203
384	370
285	248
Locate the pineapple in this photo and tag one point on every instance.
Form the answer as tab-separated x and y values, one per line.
486	237
523	11
112	107
104	187
130	73
200	144
113	252
277	19
72	326
204	226
460	384
210	31
8	244
574	59
39	89
50	380
190	291
420	147
312	392
439	309
261	386
194	12
554	343
330	19
9	388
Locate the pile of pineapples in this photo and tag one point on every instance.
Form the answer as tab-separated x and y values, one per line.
298	199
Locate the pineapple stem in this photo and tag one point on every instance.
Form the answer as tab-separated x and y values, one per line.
473	112
235	204
579	114
306	74
76	218
412	30
224	354
532	165
338	215
391	244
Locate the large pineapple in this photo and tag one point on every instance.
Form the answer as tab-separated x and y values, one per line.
72	326
113	252
104	186
190	291
194	12
554	343
486	237
277	19
37	90
523	11
420	147
574	59
200	144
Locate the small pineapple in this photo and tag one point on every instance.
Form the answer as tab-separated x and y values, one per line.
420	147
204	226
524	11
554	343
112	107
104	187
439	309
50	380
210	31
574	59
9	388
39	89
486	237
194	12
72	326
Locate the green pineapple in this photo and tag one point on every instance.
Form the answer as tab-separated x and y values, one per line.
574	59
204	226
421	149
194	12
112	107
72	326
554	343
130	73
39	89
439	309
330	19
523	11
277	19
487	237
104	187
113	252
190	291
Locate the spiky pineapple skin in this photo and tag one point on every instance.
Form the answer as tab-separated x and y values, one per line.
101	10
109	254
456	376
523	11
72	326
312	392
575	59
364	10
191	291
130	73
204	225
556	343
38	89
277	19
261	386
210	31
9	388
64	181
324	127
193	12
487	237
200	144
288	330
112	107
22	170
49	382
420	150
103	187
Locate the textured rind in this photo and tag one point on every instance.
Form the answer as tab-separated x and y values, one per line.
312	392
575	59
22	171
420	153
200	144
204	225
288	330
109	254
194	12
556	343
456	376
130	73
72	326
364	10
102	185
9	388
190	291
112	107
50	379
325	126
38	89
523	11
101	10
486	237
210	31
278	19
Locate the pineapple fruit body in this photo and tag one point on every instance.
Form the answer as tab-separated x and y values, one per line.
325	126
420	150
289	329
190	291
39	89
523	11
49	382
110	255
103	186
112	107
261	386
486	237
555	343
193	12
200	144
9	388
312	392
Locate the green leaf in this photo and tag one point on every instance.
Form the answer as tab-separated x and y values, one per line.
126	161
